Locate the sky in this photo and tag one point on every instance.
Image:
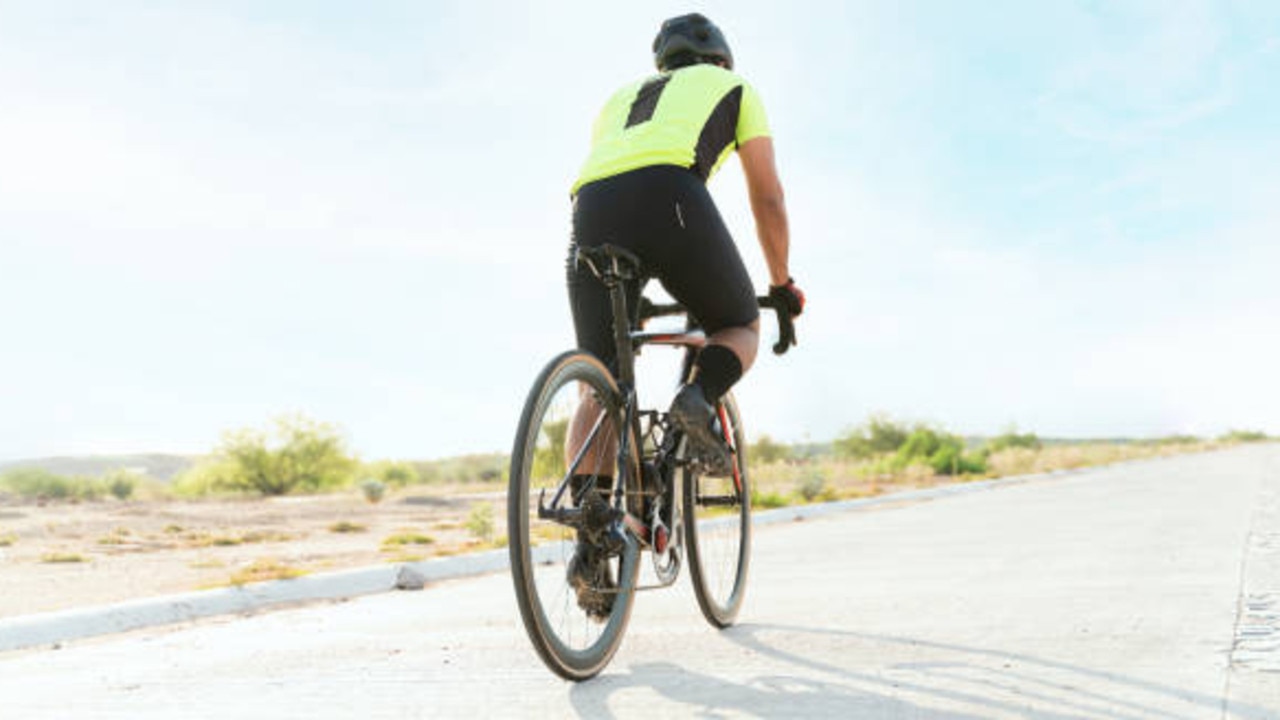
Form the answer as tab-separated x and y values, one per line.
1056	215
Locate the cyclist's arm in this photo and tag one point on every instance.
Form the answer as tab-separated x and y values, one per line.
768	205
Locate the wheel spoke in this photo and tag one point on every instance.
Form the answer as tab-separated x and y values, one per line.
570	425
718	533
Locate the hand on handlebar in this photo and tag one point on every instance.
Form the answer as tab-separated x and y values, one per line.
788	302
788	296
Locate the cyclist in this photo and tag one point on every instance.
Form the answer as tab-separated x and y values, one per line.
655	144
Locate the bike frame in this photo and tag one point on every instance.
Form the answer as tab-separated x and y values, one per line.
615	267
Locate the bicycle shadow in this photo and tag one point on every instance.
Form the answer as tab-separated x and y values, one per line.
910	678
765	696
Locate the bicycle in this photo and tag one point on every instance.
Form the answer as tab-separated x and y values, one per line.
553	501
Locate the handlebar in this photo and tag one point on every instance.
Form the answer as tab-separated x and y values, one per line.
786	324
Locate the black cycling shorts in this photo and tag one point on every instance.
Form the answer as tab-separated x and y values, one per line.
664	214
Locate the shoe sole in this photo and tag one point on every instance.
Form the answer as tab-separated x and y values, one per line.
692	420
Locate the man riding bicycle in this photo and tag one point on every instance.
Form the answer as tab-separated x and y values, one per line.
655	144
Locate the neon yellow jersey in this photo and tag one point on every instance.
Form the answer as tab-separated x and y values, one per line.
691	117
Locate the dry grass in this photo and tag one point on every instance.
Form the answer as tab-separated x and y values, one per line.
406	537
406	557
63	558
1023	461
345	526
793	482
264	569
203	540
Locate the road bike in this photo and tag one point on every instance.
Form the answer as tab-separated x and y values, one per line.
590	466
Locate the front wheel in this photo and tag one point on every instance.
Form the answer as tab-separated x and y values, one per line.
717	524
575	401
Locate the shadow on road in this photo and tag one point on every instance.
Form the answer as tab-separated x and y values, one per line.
909	678
766	696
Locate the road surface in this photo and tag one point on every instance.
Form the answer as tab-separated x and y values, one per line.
1148	590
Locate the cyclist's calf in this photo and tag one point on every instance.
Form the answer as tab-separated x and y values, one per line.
744	341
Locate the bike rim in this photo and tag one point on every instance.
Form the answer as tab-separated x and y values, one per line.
720	513
572	642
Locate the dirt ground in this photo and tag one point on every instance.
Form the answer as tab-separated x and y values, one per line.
59	556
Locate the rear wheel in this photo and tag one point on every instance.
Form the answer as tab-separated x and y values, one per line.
574	394
717	524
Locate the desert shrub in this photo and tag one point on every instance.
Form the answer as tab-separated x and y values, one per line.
1011	438
300	454
766	451
811	488
264	569
406	537
1177	440
211	476
951	459
480	521
921	444
548	457
878	435
373	490
764	500
493	466
62	558
943	452
121	484
393	474
1244	436
39	484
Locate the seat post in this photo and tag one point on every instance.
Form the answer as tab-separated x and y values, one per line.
622	331
615	266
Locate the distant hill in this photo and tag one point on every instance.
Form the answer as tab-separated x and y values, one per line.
155	465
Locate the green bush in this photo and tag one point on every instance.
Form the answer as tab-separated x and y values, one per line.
210	476
812	488
766	500
878	435
1011	438
373	490
766	451
921	444
1177	440
121	484
480	521
548	459
301	455
392	473
951	459
1244	436
39	484
942	452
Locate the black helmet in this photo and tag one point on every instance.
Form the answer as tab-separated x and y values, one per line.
688	40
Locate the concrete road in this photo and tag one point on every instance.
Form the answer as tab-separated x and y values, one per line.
1147	590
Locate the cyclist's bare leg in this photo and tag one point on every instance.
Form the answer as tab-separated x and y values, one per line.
600	459
744	341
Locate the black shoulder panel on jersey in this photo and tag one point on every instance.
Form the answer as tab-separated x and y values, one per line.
720	130
646	101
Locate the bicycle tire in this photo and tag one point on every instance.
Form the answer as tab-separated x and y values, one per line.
571	644
717	531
